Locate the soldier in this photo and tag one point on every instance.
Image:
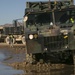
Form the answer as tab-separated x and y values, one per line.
11	40
72	20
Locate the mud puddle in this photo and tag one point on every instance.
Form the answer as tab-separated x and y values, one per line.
7	70
15	57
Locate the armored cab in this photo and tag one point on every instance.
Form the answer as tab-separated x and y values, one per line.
49	31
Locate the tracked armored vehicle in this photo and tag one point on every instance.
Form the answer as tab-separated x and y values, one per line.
50	31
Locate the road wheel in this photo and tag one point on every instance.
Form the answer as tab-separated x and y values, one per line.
23	40
8	40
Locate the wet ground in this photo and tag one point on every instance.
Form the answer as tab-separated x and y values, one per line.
12	62
7	70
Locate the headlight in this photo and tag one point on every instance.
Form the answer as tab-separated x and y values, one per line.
65	33
35	36
30	36
66	46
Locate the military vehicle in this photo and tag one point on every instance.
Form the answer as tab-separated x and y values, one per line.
15	30
50	31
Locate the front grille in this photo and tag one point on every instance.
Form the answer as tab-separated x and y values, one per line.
55	42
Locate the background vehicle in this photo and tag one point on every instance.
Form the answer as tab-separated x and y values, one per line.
50	31
16	30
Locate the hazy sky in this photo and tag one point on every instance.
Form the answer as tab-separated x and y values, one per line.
12	9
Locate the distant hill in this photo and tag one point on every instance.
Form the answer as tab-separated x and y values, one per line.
11	25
